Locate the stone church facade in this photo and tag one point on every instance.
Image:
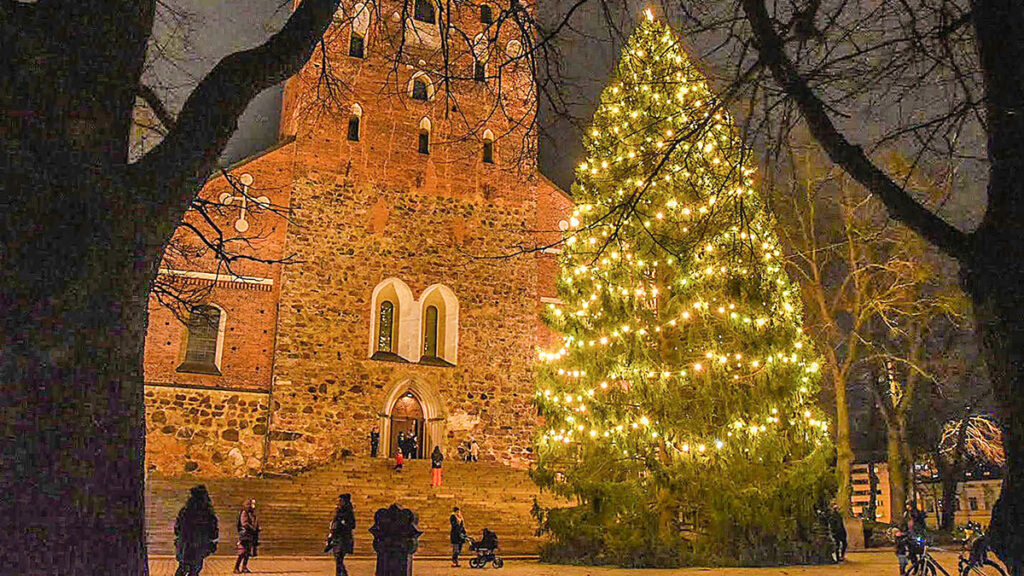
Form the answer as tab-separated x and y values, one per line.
379	287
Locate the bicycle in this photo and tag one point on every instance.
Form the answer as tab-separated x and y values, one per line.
921	562
975	561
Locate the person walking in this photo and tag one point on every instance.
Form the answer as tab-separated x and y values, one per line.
474	451
248	536
457	534
837	529
195	532
399	460
436	462
340	538
374	441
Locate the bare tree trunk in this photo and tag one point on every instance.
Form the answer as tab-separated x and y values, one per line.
844	452
898	466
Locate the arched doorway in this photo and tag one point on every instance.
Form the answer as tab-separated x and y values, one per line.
412	405
407	418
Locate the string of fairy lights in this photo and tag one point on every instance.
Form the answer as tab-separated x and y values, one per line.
669	247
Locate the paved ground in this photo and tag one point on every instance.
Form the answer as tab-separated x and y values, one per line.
875	563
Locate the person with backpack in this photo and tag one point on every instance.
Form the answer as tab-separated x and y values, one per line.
248	536
195	532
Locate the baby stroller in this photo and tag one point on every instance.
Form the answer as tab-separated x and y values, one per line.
486	551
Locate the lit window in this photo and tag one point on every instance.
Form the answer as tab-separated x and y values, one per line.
430	332
202	341
385	326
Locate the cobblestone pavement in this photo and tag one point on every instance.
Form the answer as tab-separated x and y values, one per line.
875	563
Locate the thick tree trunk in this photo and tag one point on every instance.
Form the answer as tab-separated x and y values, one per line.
73	301
947	516
995	281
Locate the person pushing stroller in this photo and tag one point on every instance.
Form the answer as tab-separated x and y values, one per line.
486	549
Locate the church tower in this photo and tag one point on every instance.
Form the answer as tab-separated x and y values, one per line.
382	286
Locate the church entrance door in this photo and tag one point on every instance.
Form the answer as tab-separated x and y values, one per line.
407	418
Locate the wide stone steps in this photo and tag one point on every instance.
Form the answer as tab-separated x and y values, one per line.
295	513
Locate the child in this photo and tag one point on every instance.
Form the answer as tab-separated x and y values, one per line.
399	460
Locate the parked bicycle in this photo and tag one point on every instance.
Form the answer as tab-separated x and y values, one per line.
915	559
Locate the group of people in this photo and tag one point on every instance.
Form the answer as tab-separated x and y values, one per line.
196	533
408	445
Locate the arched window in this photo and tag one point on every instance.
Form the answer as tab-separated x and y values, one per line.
354	120
480	58
424	11
420	87
439	326
486	14
488	147
386	327
394	323
424	139
430	332
357	37
203	340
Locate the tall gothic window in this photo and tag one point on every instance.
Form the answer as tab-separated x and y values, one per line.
203	333
385	327
430	332
424	140
353	122
424	11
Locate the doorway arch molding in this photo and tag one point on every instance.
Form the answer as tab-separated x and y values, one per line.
434	414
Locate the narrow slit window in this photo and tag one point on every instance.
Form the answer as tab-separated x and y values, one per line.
489	151
424	11
356	46
479	70
430	332
486	14
424	142
353	128
385	326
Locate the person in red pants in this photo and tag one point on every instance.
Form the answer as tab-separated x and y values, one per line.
436	461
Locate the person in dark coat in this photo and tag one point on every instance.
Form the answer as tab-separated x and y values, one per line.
436	462
374	442
403	445
457	534
195	532
340	538
837	529
414	445
248	536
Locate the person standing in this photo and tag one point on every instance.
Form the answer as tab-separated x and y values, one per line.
837	529
340	538
436	462
195	532
374	442
414	446
399	460
474	451
403	445
248	536
457	534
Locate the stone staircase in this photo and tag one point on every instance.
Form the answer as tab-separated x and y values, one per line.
295	513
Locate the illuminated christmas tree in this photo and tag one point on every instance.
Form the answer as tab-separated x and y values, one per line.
680	410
